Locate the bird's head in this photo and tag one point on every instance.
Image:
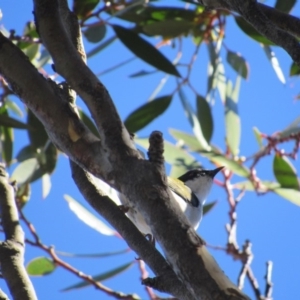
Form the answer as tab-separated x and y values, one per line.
200	181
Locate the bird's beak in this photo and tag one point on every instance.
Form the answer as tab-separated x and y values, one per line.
215	171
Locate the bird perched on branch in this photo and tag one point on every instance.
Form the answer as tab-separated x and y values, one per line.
189	191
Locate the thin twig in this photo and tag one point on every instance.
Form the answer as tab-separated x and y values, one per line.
269	283
144	275
59	262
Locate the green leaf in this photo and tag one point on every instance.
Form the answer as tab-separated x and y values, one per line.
208	207
47	160
168	28
232	119
88	218
205	118
82	8
220	160
43	59
258	136
115	67
293	128
251	32
142	73
187	139
193	121
37	135
177	156
88	122
285	5
142	14
25	170
216	73
285	173
96	33
264	186
274	63
30	30
101	47
44	161
294	70
146	113
26	153
238	63
100	277
13	107
289	194
11	122
94	255
40	266
7	138
46	185
32	51
145	50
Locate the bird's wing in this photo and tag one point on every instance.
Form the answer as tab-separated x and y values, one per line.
183	191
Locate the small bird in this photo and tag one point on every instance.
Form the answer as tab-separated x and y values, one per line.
189	191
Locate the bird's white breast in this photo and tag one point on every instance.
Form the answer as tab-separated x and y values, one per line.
193	214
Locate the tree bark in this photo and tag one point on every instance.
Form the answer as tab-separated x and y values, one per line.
12	249
113	158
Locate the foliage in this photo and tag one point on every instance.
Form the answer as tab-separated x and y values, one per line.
137	26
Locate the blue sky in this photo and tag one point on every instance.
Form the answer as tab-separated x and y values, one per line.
269	221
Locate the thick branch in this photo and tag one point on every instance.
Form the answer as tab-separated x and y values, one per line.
115	159
261	19
69	64
12	249
58	116
282	20
139	180
135	239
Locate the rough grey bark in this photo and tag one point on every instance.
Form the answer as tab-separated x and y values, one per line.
113	157
12	249
274	25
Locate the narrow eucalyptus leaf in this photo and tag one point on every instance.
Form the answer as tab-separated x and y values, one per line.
258	136
208	207
238	63
186	139
194	121
88	218
101	47
8	121
100	277
25	170
274	63
285	172
146	113
289	194
145	50
37	135
232	119
285	5
205	117
7	138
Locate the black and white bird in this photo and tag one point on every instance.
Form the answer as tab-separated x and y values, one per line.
189	191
